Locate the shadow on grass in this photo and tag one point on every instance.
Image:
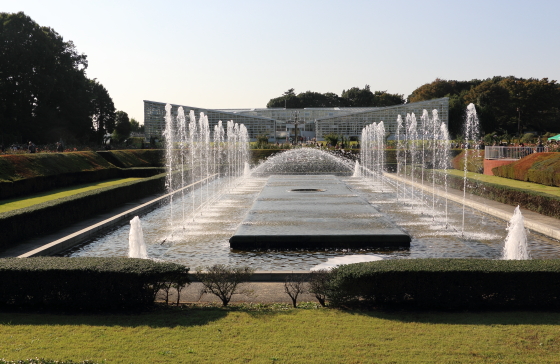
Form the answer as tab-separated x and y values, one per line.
487	318
160	317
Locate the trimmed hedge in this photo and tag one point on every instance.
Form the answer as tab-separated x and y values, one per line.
77	284
543	168
21	224
135	157
22	174
475	160
447	284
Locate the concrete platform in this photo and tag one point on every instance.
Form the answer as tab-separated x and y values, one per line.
313	213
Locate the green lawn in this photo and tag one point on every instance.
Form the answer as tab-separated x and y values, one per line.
551	190
26	201
283	335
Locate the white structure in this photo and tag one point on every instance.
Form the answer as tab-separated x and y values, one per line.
313	122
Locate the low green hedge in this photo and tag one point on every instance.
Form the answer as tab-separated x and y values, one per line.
135	157
447	284
23	174
475	160
76	284
21	224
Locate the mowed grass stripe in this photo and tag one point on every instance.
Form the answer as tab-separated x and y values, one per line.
284	336
551	190
19	203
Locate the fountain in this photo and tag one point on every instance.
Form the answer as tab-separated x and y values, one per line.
136	244
218	192
515	247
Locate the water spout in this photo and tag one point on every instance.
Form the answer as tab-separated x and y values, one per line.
515	247
136	244
357	170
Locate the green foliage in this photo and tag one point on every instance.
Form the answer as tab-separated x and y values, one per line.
319	284
448	284
223	281
353	97
332	138
135	126
122	127
77	284
475	160
504	104
44	92
138	158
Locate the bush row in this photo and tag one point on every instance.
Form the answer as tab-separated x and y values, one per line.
135	157
475	160
32	173
543	168
21	224
447	284
92	284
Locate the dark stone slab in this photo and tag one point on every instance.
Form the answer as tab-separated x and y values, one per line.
314	213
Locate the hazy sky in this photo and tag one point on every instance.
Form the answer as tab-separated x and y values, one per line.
234	54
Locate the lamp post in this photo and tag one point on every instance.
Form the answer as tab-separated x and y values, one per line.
295	115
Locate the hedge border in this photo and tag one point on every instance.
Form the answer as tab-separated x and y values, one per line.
447	284
21	224
90	284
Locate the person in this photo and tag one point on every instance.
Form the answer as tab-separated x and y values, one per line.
540	147
31	147
59	147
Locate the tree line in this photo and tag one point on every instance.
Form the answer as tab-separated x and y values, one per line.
45	94
505	105
353	97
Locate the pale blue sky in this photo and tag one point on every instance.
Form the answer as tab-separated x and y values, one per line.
233	54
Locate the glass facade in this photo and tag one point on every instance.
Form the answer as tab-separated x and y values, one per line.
313	122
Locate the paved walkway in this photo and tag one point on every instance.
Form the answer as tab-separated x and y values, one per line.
260	292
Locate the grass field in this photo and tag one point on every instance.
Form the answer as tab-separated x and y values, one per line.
19	203
551	190
278	334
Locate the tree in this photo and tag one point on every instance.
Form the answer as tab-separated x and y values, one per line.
223	281
102	110
122	126
294	286
353	97
356	97
44	91
135	126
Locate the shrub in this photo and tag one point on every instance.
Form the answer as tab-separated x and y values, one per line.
295	285
318	285
91	284
223	281
447	284
475	160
